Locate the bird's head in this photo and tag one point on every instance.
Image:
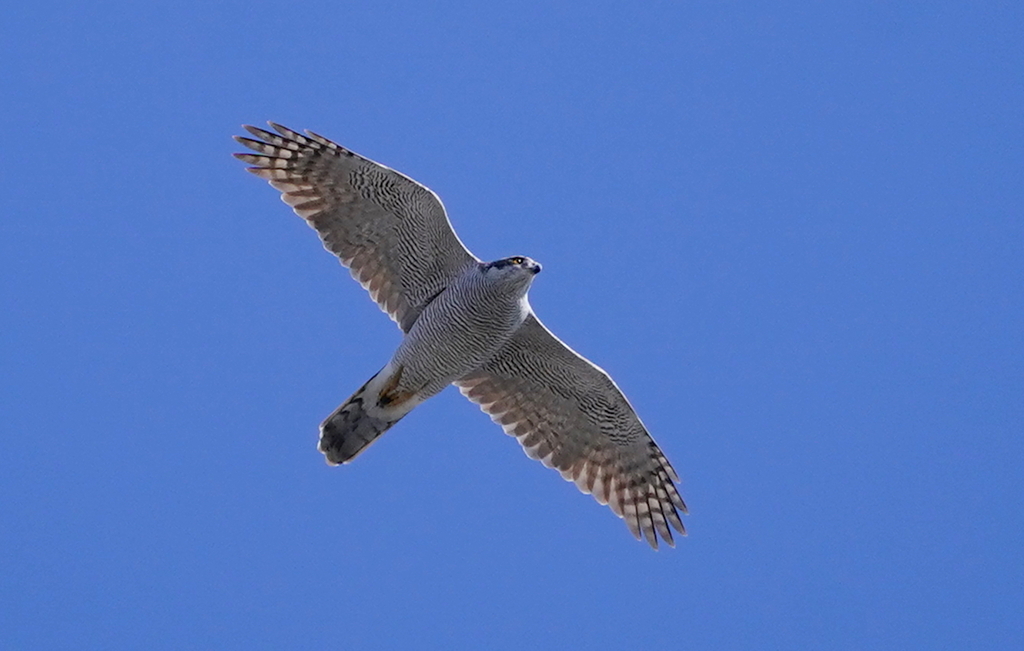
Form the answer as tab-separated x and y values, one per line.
517	271
517	264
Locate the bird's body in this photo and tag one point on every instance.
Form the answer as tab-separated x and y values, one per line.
481	309
467	323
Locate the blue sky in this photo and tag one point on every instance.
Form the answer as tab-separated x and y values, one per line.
791	231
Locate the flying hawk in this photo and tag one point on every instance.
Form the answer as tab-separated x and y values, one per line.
465	322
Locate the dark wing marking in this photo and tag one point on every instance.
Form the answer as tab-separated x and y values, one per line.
569	414
392	232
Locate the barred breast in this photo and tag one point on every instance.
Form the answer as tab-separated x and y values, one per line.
463	327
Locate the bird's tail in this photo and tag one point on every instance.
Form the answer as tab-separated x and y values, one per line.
370	412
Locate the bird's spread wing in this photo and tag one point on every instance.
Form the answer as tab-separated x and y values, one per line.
390	231
570	415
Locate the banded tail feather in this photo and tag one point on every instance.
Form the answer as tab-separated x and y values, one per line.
371	411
